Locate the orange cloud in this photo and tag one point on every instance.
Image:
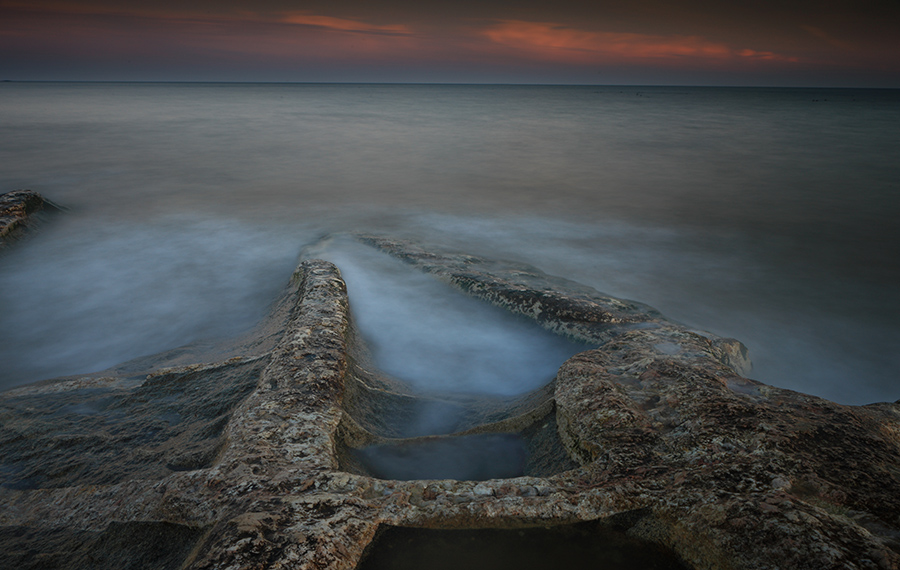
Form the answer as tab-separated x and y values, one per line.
225	16
342	25
290	40
555	41
764	55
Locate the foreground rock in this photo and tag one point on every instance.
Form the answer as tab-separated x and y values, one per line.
258	460
19	210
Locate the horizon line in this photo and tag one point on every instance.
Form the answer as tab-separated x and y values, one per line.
436	84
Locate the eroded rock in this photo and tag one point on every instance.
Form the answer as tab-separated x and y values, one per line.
651	432
19	210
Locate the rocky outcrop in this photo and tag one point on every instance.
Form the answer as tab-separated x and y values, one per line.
19	210
650	436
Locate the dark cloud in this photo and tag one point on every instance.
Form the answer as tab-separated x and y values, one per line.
653	41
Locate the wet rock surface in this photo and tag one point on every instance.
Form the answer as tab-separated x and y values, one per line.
19	210
251	459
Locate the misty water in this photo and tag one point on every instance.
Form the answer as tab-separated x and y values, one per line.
768	215
437	339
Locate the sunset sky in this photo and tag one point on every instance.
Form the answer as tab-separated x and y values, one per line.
840	43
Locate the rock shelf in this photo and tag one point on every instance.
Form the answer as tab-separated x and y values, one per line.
253	455
19	210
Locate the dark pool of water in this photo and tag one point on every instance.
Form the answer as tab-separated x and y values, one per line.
570	547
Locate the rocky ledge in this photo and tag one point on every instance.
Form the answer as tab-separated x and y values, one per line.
19	210
650	439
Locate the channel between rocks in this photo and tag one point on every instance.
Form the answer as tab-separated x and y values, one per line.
504	441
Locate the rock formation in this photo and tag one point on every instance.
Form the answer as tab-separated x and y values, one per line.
20	209
257	457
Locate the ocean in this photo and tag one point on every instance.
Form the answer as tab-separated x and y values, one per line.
767	215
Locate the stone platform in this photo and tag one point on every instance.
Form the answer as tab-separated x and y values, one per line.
251	455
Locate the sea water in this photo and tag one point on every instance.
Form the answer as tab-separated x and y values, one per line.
767	215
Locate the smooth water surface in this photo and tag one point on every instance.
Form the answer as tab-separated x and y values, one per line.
768	215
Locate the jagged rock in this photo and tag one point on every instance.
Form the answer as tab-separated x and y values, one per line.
20	209
255	461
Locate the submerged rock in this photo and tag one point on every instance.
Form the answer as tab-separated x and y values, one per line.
19	210
258	460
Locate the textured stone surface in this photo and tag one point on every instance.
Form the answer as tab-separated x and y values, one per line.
248	462
20	209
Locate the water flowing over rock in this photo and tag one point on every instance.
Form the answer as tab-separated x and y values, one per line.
253	454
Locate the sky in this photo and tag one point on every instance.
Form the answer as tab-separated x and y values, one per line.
804	43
